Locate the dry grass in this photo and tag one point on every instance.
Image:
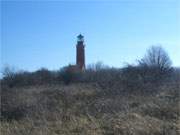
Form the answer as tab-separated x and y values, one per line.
83	109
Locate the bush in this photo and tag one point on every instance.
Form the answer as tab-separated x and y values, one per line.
70	74
42	76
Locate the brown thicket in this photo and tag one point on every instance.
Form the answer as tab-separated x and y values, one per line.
140	99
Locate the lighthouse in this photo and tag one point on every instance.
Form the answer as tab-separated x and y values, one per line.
80	52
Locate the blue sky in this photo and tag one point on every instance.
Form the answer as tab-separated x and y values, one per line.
43	33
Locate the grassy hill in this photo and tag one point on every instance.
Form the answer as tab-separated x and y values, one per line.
86	109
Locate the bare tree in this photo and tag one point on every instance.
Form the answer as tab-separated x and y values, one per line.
157	58
97	66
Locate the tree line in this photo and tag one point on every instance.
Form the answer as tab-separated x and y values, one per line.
155	67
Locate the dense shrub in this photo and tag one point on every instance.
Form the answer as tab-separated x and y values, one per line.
68	75
129	78
24	78
154	68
